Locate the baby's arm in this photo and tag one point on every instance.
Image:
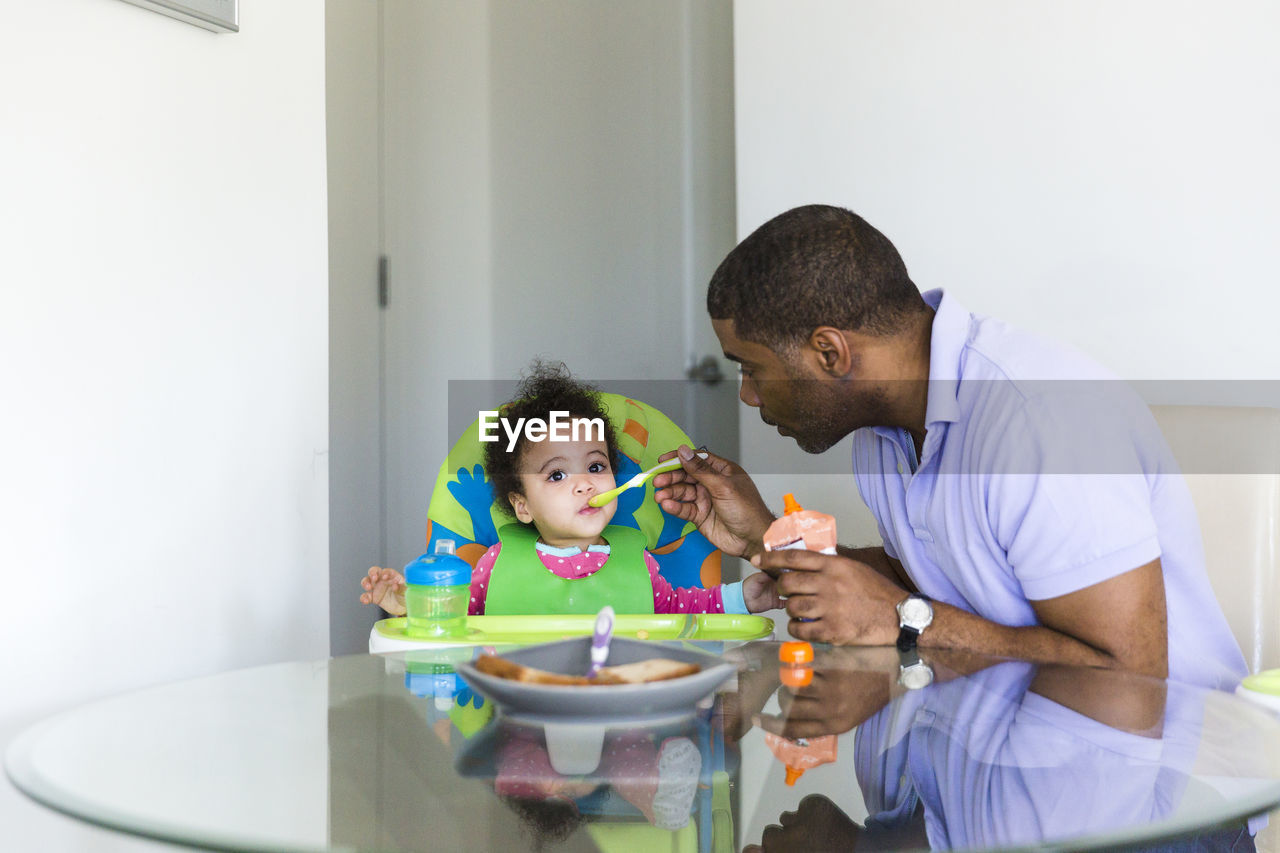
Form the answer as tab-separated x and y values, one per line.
754	595
480	579
669	599
385	588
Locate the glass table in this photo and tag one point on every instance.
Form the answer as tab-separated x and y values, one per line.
395	753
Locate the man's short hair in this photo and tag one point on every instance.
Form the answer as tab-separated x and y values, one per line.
813	266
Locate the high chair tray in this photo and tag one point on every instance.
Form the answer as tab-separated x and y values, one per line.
389	635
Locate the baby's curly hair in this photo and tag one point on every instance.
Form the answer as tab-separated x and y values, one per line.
548	821
547	388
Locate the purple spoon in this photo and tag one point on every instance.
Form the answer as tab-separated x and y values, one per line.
600	641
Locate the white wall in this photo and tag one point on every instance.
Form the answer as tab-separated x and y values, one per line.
1100	171
163	336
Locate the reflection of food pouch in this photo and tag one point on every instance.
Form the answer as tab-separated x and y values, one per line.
802	754
801	528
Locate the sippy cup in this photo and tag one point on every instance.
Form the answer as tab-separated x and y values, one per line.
437	591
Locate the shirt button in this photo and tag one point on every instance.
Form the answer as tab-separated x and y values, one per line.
899	467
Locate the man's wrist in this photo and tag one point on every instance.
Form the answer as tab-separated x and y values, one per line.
754	544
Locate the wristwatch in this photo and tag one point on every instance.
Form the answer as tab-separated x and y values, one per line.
915	613
913	673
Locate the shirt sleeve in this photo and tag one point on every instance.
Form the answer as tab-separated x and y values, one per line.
732	599
480	579
1069	498
668	599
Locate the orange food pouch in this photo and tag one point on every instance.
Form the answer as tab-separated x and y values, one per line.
803	754
801	528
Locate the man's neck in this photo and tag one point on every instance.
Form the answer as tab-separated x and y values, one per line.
910	402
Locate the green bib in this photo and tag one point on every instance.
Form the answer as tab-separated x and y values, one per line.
520	584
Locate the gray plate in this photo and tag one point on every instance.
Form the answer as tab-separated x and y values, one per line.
572	657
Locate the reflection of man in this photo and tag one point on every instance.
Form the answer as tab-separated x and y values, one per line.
1013	754
993	538
993	763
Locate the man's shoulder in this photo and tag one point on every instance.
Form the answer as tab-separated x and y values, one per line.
1032	404
999	350
1016	379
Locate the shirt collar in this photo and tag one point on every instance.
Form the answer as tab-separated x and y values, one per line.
570	550
947	341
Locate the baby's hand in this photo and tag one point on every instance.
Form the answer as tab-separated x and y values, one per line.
759	593
385	588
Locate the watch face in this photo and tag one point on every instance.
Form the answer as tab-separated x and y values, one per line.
916	613
915	677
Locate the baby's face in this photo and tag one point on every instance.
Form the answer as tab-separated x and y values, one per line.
558	478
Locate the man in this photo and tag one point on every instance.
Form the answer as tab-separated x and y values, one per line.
1027	503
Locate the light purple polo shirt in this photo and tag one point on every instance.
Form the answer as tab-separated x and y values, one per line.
1041	474
996	764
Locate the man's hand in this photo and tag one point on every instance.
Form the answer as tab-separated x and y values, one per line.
833	599
717	496
757	681
817	824
845	692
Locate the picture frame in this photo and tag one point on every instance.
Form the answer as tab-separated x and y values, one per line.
218	16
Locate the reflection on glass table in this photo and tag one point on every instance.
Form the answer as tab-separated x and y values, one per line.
395	752
1004	754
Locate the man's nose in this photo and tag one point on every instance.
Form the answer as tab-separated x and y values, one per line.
747	393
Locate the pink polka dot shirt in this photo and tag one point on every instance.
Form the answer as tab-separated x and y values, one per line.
572	563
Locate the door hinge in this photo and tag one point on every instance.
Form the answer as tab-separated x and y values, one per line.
384	287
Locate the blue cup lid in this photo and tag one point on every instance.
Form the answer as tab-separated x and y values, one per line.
438	570
443	684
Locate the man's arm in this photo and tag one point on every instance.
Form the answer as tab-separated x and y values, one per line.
1118	623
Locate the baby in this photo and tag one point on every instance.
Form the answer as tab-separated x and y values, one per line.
560	554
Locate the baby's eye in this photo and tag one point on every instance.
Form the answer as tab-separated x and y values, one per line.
598	467
556	476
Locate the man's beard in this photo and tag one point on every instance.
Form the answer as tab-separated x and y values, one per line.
819	421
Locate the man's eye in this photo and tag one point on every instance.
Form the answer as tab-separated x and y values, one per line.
556	476
597	467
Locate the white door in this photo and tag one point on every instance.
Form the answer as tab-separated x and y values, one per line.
557	181
611	143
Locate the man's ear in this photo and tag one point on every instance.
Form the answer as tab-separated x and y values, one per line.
520	507
830	349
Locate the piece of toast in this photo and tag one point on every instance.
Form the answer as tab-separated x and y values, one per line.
654	669
641	672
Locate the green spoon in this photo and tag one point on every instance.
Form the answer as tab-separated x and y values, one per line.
639	480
